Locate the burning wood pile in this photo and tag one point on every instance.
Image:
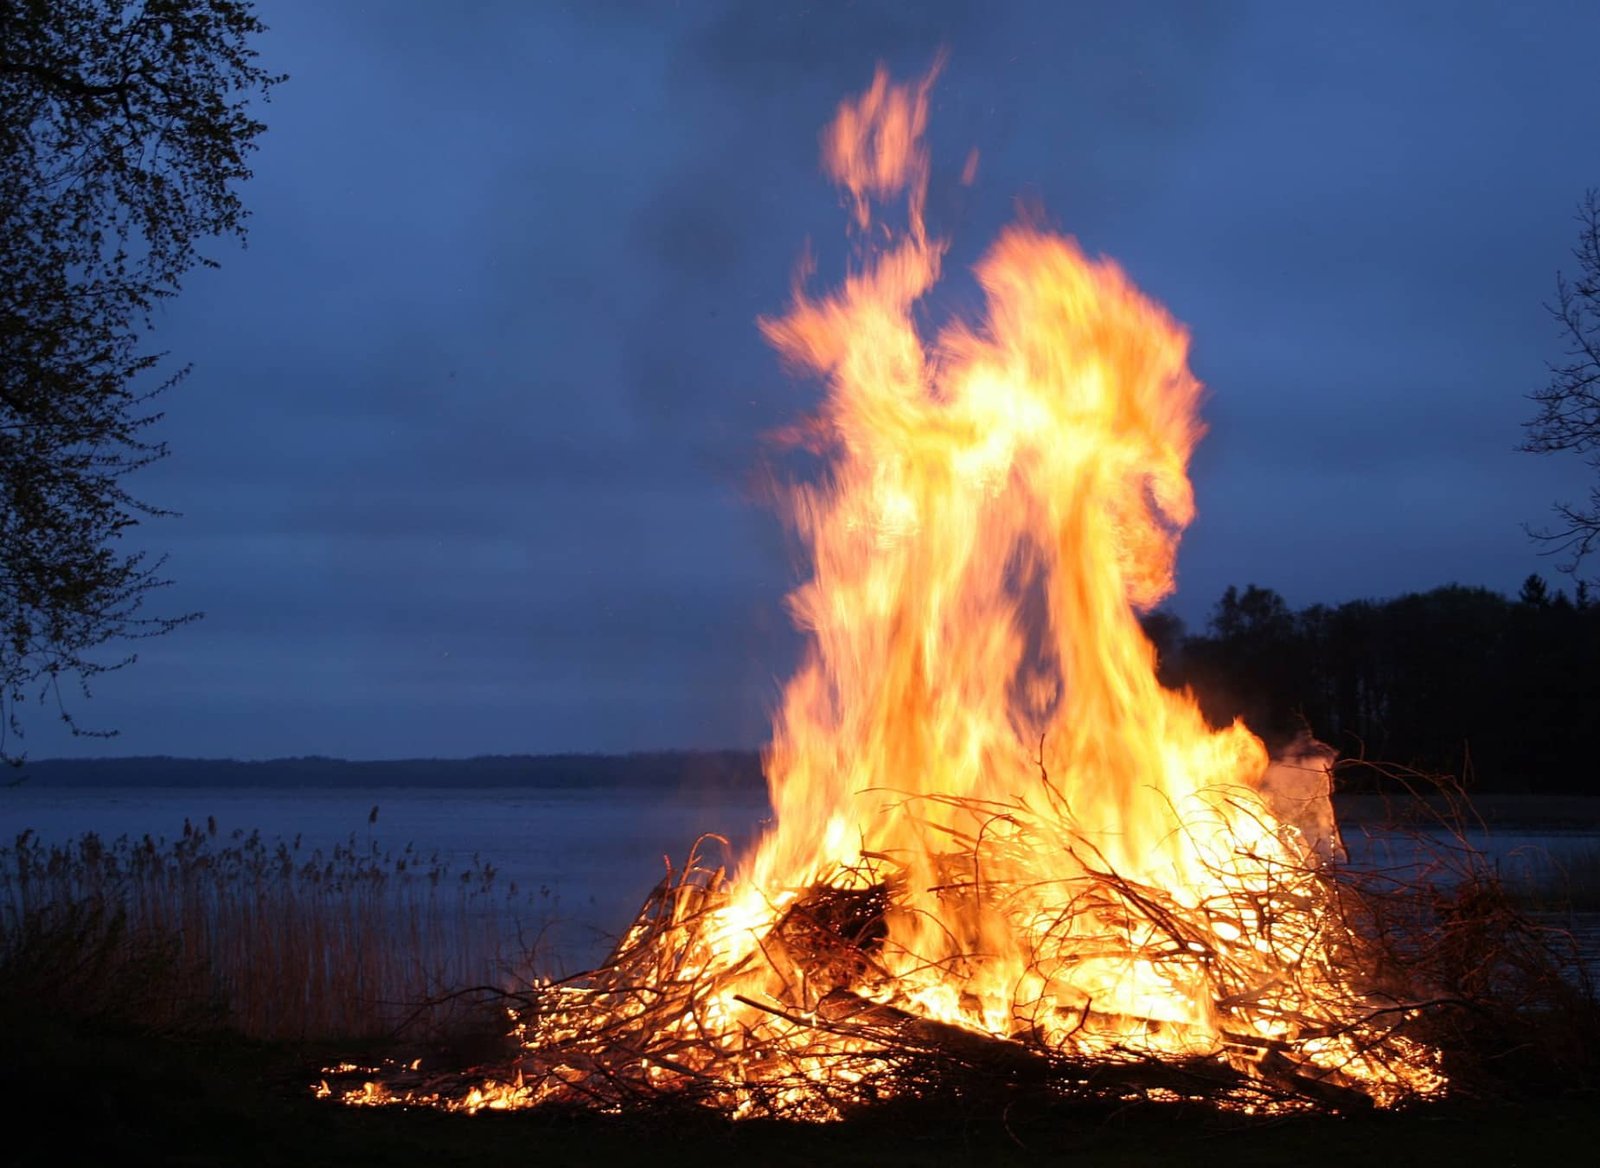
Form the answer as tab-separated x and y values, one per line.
812	1021
1004	857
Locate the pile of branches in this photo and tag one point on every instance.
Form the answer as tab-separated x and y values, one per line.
1439	964
636	1034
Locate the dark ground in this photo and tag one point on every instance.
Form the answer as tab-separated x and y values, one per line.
85	1094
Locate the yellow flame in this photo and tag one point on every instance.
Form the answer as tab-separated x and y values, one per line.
990	817
978	713
999	503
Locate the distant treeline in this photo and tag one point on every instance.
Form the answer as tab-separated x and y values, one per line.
711	771
1501	693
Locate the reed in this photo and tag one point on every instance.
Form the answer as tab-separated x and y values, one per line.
267	937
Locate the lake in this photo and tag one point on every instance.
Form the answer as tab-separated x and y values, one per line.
582	861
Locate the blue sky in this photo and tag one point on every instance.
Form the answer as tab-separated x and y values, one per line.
465	463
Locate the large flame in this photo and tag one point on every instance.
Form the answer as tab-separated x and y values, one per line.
978	712
990	817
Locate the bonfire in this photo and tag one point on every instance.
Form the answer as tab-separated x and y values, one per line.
1003	856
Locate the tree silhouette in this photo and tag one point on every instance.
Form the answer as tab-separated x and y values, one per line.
124	133
1569	405
1458	681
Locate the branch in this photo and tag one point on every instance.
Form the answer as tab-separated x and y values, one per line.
64	82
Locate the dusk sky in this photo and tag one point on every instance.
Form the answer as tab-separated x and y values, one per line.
465	464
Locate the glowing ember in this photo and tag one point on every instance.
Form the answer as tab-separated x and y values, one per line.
999	842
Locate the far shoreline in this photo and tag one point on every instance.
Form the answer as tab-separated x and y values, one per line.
699	774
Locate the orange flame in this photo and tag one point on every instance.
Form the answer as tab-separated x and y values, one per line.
993	824
998	504
978	713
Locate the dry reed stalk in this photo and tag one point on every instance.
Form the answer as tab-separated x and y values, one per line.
294	942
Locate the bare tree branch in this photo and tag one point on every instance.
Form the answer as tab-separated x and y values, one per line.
1568	418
